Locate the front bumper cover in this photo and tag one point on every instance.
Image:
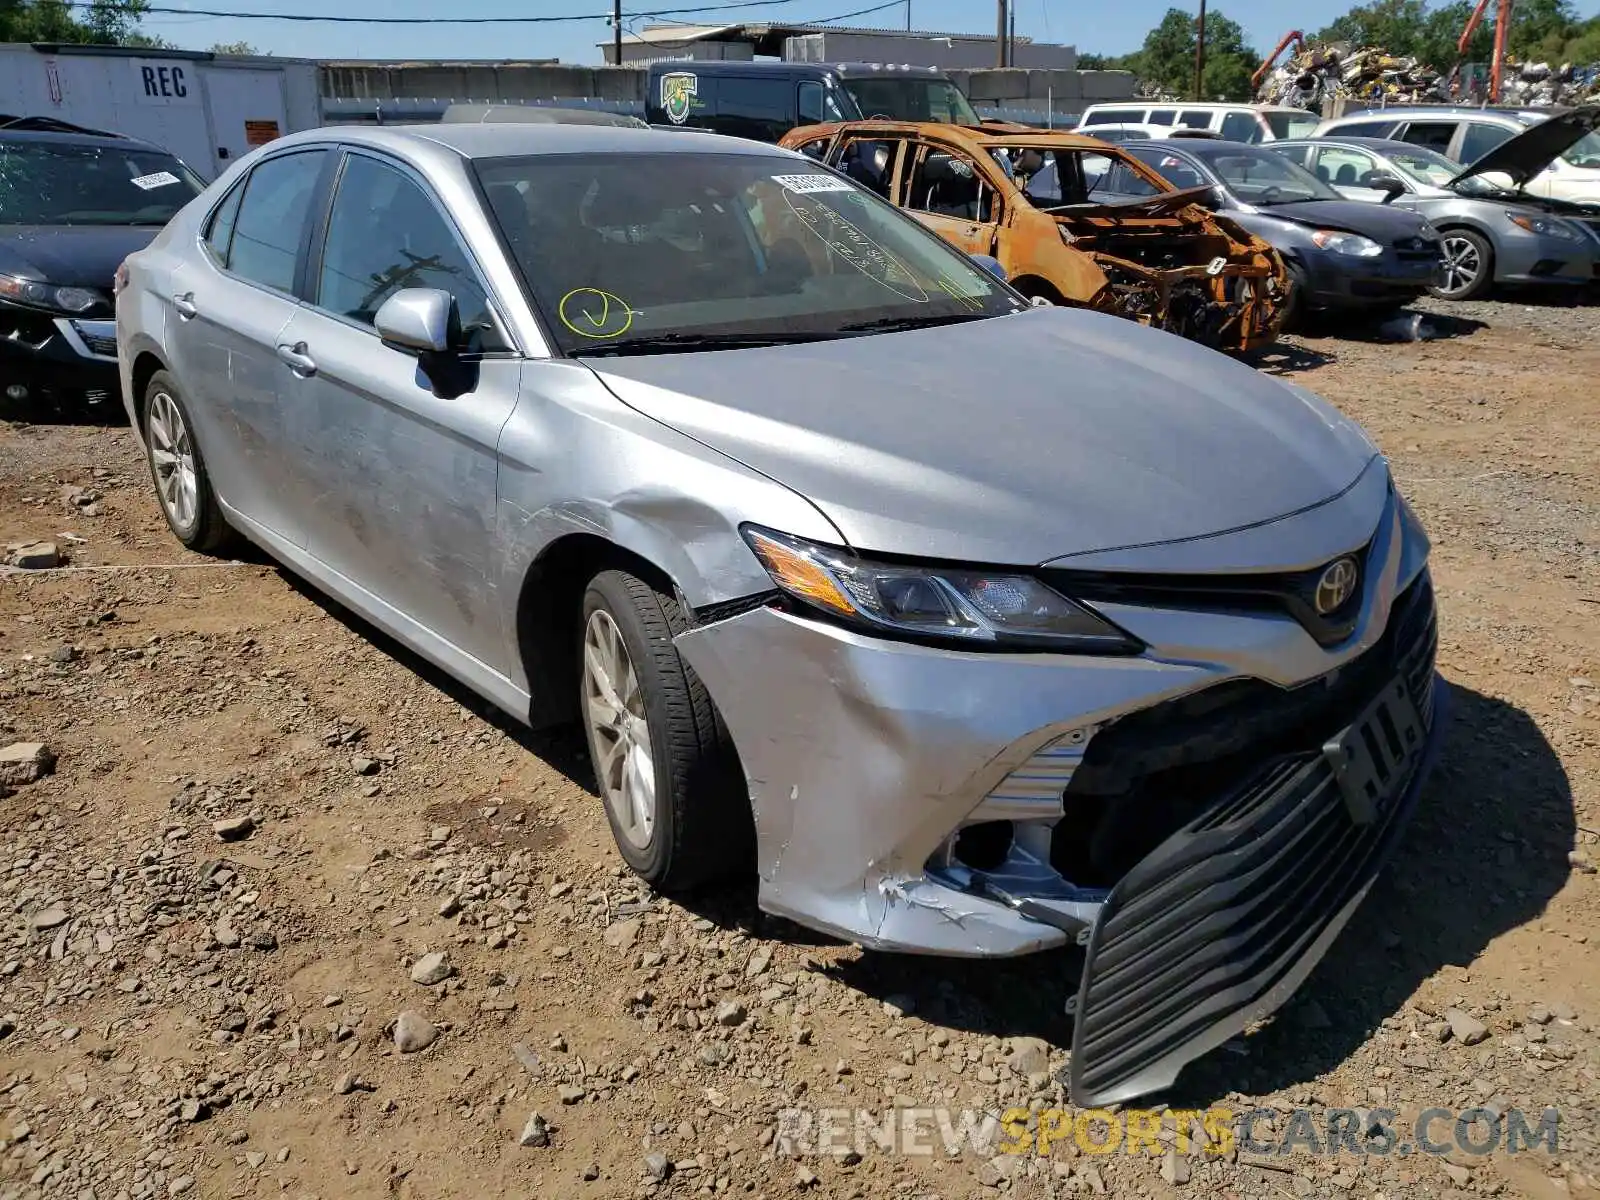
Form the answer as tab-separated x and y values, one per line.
56	356
867	758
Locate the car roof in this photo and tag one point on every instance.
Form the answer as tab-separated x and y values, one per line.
1196	105
53	137
975	137
1520	116
720	66
515	139
1380	145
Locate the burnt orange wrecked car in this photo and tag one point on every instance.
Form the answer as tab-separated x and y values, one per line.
1073	220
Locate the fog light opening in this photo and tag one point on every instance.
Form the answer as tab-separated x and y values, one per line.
983	846
16	391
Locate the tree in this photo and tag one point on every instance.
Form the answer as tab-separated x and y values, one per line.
234	48
106	22
1167	57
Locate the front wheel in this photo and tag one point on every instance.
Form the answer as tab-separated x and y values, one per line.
1468	266
663	762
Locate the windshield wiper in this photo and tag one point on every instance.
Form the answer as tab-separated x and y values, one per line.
687	343
899	324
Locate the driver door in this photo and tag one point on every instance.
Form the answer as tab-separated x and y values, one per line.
952	195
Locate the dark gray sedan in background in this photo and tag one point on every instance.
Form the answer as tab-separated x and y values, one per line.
1342	254
692	441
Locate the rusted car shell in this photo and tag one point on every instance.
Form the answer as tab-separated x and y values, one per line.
1166	261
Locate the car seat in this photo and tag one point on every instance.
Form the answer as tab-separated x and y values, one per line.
1347	176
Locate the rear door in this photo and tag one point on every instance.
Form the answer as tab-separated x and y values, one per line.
229	305
399	451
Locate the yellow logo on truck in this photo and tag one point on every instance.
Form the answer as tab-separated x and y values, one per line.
678	90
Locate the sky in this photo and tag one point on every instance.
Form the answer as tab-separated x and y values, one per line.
1108	28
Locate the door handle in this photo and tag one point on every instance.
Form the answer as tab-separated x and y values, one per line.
185	306
297	360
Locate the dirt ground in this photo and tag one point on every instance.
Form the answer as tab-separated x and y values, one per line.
188	1015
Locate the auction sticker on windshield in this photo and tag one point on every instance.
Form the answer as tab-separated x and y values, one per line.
806	184
159	179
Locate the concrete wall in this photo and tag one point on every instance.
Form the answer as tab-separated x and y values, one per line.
478	81
946	52
1013	85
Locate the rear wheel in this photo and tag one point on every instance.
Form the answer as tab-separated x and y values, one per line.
183	488
663	762
1468	266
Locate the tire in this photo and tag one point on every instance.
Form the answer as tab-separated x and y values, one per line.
1295	307
178	470
1463	246
1039	289
694	824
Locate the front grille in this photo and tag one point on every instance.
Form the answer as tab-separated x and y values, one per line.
1218	925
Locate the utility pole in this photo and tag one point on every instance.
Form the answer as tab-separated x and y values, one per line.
1011	38
908	16
616	32
1000	33
1200	57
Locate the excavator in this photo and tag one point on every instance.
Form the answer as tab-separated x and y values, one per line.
1502	35
1294	38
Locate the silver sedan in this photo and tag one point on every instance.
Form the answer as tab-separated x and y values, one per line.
973	628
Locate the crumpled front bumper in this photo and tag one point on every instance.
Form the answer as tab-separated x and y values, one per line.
865	759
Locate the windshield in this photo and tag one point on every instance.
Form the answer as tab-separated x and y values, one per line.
1424	166
912	100
1263	178
1291	124
1585	153
57	183
632	253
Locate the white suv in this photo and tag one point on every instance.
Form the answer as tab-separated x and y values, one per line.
1467	134
1235	122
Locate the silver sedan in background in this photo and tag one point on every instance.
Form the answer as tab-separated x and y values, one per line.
1119	643
1492	231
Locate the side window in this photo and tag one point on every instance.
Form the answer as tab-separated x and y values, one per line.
816	148
870	163
219	234
948	185
1195	119
1436	135
272	223
1343	168
1170	167
1116	116
1241	127
1162	116
1480	138
1375	129
384	234
810	99
753	108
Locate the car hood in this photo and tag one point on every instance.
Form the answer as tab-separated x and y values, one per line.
70	255
1014	440
1380	222
1536	147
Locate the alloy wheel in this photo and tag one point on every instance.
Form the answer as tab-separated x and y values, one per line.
1463	263
619	734
172	457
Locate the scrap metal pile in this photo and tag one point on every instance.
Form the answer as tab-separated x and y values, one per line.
1372	75
1338	69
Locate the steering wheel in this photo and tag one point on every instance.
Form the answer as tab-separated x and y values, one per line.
1270	193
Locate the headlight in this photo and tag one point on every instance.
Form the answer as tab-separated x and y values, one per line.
1545	227
47	295
972	607
1352	244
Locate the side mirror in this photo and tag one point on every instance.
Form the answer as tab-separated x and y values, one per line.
990	264
424	320
1383	181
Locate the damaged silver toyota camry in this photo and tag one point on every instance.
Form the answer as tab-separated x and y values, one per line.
974	628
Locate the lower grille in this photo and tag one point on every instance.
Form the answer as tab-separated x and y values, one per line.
1218	925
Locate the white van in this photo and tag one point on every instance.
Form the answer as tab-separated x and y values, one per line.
1235	122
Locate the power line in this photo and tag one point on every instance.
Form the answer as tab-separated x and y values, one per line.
167	10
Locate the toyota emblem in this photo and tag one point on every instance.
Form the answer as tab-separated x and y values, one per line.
1336	586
